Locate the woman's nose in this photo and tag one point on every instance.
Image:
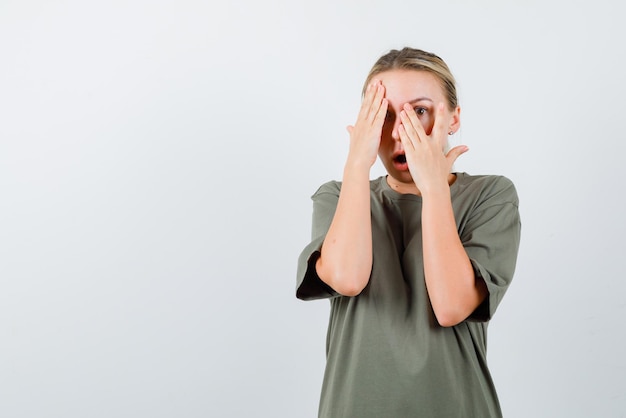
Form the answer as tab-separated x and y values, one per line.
395	134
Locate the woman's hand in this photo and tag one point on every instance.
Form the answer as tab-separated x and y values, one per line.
365	134
428	164
453	289
345	262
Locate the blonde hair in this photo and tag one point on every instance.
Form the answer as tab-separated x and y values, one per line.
418	60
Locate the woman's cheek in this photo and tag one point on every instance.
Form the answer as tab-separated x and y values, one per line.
387	129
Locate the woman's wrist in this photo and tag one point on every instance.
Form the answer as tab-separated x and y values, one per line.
357	166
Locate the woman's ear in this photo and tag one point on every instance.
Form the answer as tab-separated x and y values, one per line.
455	121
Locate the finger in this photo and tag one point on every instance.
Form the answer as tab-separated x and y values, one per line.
368	99
412	122
381	114
407	142
377	103
455	153
439	132
409	129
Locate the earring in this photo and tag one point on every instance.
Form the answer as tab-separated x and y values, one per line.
451	133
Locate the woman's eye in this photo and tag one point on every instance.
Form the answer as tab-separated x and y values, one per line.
420	110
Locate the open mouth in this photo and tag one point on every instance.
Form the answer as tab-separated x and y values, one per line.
399	162
401	158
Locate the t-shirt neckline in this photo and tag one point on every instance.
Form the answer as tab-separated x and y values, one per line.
386	187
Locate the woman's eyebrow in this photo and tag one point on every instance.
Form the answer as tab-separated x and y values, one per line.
421	99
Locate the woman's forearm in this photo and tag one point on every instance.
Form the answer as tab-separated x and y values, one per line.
453	289
345	263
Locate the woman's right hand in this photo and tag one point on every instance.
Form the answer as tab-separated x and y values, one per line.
345	263
365	134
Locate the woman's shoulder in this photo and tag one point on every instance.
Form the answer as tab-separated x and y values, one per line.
488	186
334	186
496	180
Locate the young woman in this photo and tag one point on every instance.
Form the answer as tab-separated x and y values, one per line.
415	262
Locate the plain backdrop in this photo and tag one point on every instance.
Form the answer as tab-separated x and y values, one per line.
157	160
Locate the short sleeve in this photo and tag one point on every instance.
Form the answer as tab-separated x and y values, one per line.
308	284
491	238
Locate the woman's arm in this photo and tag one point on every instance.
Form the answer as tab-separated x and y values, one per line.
345	263
453	289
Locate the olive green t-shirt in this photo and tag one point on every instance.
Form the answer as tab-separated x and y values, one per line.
387	357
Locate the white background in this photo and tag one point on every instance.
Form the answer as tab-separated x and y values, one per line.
156	164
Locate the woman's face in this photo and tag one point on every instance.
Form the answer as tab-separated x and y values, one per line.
423	91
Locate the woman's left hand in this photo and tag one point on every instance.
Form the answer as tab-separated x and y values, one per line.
428	165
